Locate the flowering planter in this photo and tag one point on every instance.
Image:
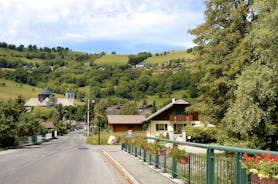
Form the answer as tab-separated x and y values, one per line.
160	152
257	180
183	160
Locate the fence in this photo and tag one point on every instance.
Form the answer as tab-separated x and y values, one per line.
36	139
202	168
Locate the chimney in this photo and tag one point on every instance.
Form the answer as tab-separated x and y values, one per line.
173	100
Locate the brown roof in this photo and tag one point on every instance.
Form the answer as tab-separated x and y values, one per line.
125	119
170	105
47	125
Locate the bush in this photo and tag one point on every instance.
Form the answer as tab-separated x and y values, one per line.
103	138
202	134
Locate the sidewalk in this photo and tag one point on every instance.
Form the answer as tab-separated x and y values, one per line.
140	171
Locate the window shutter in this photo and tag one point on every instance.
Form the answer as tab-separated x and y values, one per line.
157	127
166	127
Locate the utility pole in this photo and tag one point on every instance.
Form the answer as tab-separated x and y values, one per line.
88	118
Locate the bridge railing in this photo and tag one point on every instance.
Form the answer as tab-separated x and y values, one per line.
29	140
216	165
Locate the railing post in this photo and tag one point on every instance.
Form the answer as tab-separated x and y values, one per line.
156	161
145	156
174	168
241	175
156	157
164	164
210	166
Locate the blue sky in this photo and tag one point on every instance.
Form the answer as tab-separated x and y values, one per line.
124	26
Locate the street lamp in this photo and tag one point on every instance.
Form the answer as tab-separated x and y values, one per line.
88	116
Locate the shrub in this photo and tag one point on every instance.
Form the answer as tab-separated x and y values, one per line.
202	134
103	138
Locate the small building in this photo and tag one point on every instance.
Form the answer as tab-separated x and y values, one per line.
70	95
122	123
46	93
145	109
113	110
139	66
171	118
47	125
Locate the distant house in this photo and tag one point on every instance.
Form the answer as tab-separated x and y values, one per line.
113	110
172	117
48	125
139	65
70	94
123	123
46	97
144	109
46	93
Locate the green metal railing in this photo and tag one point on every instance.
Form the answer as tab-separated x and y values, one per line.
202	168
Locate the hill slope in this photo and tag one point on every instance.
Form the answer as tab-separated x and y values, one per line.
177	54
112	59
10	89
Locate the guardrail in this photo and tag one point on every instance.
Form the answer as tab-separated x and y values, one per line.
30	140
202	168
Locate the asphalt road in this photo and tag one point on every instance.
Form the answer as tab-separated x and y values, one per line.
67	160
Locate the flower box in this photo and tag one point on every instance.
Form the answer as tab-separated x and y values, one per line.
257	180
160	152
183	160
263	168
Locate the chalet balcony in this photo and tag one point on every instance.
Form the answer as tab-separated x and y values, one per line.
191	117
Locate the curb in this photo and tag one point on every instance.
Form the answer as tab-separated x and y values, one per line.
120	168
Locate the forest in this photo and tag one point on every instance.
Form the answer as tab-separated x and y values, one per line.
232	83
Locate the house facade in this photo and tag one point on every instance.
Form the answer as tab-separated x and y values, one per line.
123	123
171	118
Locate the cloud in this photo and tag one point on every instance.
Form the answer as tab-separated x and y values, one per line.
53	22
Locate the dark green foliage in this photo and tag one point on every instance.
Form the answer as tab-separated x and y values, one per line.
238	48
129	109
141	56
15	122
202	134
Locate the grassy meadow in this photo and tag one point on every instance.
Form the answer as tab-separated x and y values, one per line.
164	58
112	60
10	90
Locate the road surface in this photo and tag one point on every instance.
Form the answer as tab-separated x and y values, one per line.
67	160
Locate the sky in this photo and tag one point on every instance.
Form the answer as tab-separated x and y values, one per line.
123	26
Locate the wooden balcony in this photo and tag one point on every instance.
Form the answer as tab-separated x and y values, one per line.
190	117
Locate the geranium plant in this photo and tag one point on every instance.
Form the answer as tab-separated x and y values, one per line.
123	139
265	165
176	153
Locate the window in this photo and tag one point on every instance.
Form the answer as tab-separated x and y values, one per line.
161	127
180	112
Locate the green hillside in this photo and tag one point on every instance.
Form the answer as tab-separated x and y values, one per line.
10	90
112	59
161	58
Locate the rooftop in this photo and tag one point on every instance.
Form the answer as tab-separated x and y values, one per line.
125	119
46	91
174	102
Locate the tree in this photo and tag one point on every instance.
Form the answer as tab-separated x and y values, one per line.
28	126
154	108
253	115
218	41
129	109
